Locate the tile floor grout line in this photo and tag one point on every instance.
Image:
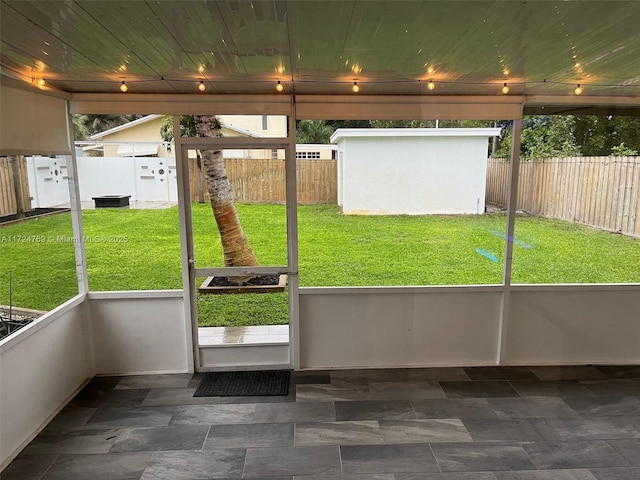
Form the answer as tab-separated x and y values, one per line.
244	465
205	438
48	468
295	428
434	457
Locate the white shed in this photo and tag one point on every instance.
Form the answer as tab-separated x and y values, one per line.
412	171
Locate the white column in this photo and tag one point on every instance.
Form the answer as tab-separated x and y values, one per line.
292	241
76	211
508	249
186	248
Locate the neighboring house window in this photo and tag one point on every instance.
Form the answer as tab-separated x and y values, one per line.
307	155
274	154
264	122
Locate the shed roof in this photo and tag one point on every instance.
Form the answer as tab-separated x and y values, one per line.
341	133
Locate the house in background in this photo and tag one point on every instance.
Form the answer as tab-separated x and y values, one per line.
141	138
316	151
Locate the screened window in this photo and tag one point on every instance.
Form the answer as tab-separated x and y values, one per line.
307	155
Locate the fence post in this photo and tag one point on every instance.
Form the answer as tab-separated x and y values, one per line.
17	183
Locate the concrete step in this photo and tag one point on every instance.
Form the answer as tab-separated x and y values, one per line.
256	347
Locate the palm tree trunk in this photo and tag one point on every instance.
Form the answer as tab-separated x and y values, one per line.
236	248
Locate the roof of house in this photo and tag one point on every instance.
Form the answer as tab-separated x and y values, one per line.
148	118
125	126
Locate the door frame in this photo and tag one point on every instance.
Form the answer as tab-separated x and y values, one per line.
189	269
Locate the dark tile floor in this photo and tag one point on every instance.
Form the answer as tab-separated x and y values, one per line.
488	423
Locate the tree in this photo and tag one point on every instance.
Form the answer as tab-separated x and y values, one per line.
313	131
543	136
187	127
235	246
335	124
568	135
623	151
80	130
599	135
93	124
403	123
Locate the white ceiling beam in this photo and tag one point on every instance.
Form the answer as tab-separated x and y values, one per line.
180	104
408	107
370	107
581	101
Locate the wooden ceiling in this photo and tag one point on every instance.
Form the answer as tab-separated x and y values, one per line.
543	48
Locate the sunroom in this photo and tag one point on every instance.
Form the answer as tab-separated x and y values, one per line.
349	60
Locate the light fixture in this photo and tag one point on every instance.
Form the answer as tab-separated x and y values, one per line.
431	85
505	89
202	87
578	90
123	87
355	87
279	86
41	82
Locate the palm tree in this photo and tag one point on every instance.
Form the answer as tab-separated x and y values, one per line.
99	123
313	131
235	246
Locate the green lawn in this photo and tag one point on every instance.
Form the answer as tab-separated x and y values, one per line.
139	249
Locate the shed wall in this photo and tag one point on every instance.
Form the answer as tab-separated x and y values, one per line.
413	175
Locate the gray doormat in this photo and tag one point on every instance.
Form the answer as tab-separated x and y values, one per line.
239	384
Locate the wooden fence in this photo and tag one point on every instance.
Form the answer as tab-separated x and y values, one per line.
602	192
262	180
14	192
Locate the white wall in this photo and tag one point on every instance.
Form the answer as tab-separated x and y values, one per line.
398	326
48	181
40	369
448	326
146	179
414	175
42	366
99	176
139	332
276	124
575	324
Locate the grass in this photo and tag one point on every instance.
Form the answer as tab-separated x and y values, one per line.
140	249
